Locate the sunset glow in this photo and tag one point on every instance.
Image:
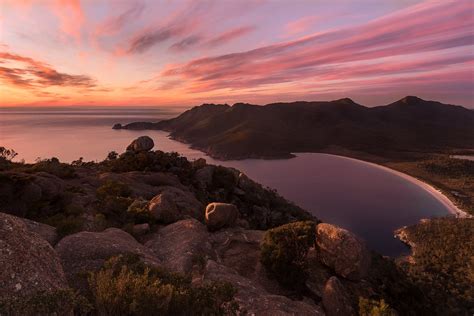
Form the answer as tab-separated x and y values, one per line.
160	52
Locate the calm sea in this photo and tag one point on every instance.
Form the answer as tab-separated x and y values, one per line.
366	200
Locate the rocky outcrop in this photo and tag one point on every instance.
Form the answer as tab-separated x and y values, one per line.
28	263
142	143
173	204
46	232
335	299
219	215
20	192
87	251
342	251
254	299
179	245
238	249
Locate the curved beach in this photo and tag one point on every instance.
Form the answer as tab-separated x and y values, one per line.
452	208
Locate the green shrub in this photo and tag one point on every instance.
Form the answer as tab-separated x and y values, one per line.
114	200
53	166
223	177
138	212
145	161
113	188
368	307
57	302
65	224
284	250
126	286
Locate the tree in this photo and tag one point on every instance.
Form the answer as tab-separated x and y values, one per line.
7	154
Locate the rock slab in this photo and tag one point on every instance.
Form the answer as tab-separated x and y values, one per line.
336	301
28	263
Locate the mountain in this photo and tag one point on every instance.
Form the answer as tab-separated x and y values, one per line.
276	130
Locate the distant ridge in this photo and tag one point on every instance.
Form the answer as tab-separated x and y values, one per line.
278	129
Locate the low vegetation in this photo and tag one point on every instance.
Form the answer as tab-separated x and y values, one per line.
443	264
126	286
114	200
57	302
68	222
147	161
368	307
284	250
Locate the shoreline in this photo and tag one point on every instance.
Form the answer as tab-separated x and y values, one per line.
452	208
436	193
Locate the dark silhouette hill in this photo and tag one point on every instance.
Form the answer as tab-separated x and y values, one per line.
278	129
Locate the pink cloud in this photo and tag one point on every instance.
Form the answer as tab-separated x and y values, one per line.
71	17
182	23
115	23
230	35
424	28
301	25
33	74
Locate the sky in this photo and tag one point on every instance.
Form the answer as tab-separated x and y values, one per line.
163	52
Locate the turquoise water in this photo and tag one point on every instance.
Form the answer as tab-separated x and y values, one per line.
362	198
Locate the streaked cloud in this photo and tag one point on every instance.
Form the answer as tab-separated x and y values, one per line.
230	35
428	27
184	52
33	74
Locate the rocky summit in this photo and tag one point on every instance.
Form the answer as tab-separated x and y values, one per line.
148	232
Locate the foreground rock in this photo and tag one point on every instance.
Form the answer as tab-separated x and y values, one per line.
336	301
87	251
181	244
28	263
342	251
46	232
219	215
173	204
254	299
238	249
142	143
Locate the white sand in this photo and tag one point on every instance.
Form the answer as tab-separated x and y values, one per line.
430	189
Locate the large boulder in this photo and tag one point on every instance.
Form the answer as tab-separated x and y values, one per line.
180	245
46	232
28	263
173	204
335	299
219	215
342	251
142	143
254	299
87	251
